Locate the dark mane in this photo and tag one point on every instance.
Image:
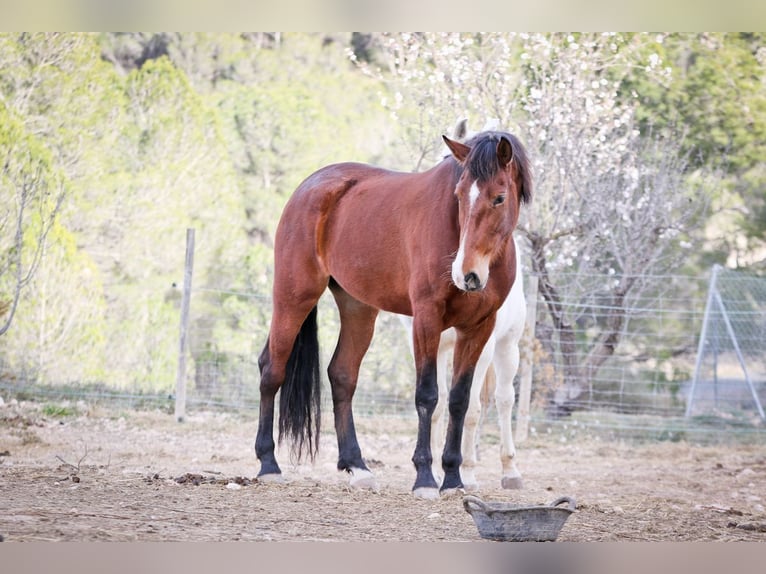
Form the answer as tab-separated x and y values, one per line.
482	161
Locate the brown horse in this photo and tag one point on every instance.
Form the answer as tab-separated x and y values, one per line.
436	245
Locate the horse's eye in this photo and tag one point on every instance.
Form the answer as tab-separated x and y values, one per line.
498	200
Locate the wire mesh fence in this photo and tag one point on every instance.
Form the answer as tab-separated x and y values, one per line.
731	364
642	389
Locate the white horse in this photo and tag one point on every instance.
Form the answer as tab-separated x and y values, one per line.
502	354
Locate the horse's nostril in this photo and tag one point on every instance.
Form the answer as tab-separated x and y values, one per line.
471	281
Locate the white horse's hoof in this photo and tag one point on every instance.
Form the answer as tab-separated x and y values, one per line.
426	493
512	482
362	479
471	486
452	492
273	478
468	478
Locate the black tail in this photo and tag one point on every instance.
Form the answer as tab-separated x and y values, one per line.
299	400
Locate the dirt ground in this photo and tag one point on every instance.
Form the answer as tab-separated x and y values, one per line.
75	472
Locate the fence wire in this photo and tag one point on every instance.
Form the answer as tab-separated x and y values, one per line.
641	390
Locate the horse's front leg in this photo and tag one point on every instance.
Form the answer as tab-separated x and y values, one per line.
468	348
426	345
506	365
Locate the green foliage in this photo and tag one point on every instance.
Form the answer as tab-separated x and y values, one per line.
715	92
58	411
307	109
165	132
63	316
31	192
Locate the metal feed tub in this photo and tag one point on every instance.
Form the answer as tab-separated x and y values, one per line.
505	521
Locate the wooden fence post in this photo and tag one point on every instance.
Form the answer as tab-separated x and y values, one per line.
180	411
527	360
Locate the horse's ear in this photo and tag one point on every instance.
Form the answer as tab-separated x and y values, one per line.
461	130
459	150
504	151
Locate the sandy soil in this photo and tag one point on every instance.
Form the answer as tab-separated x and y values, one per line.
92	473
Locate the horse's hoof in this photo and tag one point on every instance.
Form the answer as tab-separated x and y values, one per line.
273	478
362	479
512	482
471	486
452	492
426	493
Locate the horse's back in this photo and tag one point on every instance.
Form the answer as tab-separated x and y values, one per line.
344	194
339	176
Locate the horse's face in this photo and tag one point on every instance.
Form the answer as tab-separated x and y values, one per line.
489	195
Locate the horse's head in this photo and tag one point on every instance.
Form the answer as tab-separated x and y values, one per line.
494	182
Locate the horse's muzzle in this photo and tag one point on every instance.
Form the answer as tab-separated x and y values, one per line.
471	282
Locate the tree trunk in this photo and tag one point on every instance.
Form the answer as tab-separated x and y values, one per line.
565	397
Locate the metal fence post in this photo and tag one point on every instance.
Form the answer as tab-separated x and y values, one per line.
180	410
703	338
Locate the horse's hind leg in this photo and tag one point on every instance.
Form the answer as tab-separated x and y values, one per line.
438	424
506	363
357	325
289	320
472	419
264	439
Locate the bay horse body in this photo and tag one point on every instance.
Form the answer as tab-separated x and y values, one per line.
435	245
494	375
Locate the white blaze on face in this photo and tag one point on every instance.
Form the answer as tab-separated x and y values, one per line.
458	277
473	195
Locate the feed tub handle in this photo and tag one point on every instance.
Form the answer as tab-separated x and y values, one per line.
569	499
475	501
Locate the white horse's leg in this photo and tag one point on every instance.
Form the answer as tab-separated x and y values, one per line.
506	363
472	418
446	348
509	328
